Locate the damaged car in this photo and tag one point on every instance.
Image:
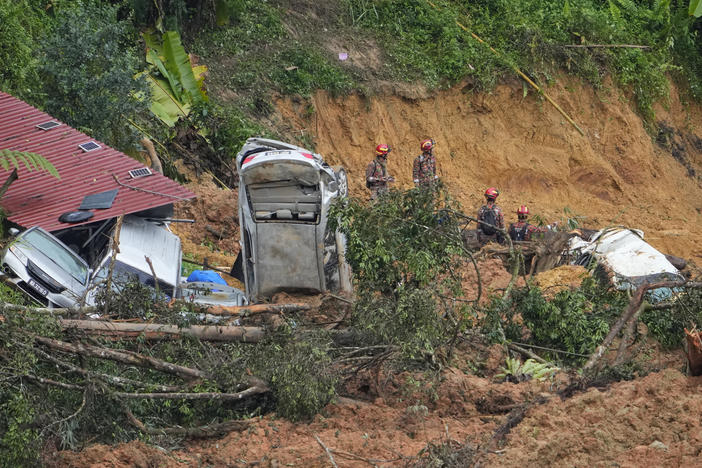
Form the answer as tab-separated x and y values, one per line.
285	193
45	268
68	272
624	257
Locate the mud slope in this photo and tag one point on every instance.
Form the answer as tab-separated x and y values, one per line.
631	424
616	173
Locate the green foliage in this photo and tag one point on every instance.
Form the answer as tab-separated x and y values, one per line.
406	238
229	129
426	43
21	24
406	253
407	319
695	8
301	70
299	371
89	65
575	321
19	438
188	16
668	325
516	371
32	161
176	85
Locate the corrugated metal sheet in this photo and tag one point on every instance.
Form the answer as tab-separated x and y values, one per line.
38	199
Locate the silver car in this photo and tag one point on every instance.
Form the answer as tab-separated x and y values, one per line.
46	269
285	192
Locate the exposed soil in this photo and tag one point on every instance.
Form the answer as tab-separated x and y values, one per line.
615	174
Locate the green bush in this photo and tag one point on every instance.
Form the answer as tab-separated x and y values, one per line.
668	325
19	438
575	321
299	371
89	65
22	22
406	254
229	129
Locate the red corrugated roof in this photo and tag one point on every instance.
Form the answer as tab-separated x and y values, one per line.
38	199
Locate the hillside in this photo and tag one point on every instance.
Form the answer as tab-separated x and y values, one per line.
405	373
616	173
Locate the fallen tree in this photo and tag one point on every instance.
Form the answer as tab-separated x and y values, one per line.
157	331
633	310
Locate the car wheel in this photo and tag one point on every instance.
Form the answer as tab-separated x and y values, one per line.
342	180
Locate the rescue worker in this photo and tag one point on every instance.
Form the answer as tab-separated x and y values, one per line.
493	221
522	230
377	177
424	168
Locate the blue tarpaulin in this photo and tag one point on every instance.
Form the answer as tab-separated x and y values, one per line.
206	276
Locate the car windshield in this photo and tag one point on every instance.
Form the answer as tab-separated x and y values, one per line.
57	253
123	274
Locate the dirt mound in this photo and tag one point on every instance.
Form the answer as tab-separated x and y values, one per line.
385	432
652	421
215	233
558	279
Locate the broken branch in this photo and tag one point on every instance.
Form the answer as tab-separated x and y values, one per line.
326	449
634	305
125	358
226	311
194	396
210	430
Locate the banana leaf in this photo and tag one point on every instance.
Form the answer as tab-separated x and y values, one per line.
695	8
179	66
175	89
163	104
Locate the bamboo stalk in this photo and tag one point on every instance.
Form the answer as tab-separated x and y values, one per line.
605	46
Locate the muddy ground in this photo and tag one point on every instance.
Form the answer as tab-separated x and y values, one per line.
616	173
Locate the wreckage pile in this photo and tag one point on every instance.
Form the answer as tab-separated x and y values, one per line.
154	368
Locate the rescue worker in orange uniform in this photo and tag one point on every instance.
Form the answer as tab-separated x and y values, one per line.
377	177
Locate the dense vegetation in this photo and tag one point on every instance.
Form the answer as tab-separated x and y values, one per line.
257	48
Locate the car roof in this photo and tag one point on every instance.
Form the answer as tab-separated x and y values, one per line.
140	238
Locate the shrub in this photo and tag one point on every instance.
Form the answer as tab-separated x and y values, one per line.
21	24
89	67
575	321
406	253
668	325
299	371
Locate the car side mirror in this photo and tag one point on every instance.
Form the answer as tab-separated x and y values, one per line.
14	231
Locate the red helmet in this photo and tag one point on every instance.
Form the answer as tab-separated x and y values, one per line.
427	144
491	193
523	211
382	149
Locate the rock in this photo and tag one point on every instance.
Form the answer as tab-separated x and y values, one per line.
657	444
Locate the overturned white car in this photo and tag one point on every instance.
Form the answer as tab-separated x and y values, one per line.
623	253
285	193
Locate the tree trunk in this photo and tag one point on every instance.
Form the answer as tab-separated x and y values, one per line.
161	331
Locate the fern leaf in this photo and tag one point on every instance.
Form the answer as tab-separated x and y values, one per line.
12	158
32	161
